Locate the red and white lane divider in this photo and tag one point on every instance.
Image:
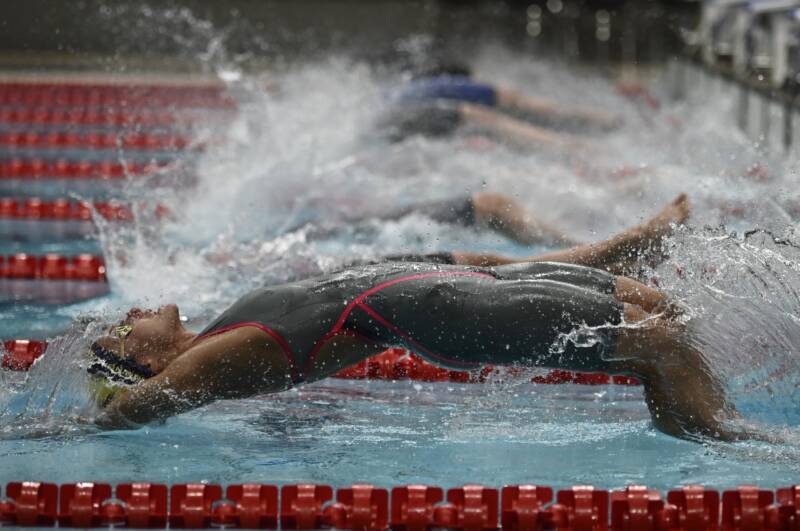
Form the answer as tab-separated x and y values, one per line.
96	94
407	507
33	219
76	169
52	278
392	364
33	208
71	140
87	116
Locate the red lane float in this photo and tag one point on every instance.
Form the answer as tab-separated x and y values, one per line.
81	94
52	279
698	508
524	507
53	267
69	140
407	508
78	169
253	506
80	504
81	116
30	504
302	506
37	209
20	354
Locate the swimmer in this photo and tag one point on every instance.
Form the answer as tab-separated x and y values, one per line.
441	100
455	83
622	254
490	210
540	314
442	118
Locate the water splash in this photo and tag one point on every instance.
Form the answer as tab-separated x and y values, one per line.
301	148
52	398
742	294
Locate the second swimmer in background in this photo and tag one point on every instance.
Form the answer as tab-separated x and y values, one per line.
624	253
445	98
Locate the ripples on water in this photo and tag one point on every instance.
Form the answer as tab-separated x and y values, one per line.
303	149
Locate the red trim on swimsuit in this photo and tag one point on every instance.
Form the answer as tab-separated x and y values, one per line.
359	302
272	333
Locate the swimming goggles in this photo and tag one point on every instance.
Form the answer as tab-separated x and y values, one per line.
116	367
122	332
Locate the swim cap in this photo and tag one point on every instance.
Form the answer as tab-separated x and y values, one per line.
111	373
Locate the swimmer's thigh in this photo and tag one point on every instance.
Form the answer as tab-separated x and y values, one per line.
552	324
528	322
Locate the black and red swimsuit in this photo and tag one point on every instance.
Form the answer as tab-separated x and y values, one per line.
542	314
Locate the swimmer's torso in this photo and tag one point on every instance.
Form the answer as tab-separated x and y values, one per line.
453	315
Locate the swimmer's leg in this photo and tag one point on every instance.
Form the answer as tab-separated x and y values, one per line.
553	113
684	396
623	289
618	255
506	216
627	250
516	132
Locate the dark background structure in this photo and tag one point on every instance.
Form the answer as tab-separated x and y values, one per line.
181	34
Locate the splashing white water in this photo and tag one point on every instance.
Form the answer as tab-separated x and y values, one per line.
302	148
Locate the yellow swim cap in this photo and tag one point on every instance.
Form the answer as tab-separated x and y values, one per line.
102	390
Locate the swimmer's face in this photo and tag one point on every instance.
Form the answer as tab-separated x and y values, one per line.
154	338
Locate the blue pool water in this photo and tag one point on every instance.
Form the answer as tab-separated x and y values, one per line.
344	432
309	153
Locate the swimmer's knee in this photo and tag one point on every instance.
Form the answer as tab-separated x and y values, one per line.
492	208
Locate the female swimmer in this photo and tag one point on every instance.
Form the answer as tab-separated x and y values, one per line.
490	210
440	101
458	85
542	314
622	254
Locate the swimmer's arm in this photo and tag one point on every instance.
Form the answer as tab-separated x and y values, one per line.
552	111
237	364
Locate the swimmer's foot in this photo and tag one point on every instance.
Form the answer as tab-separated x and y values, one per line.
644	244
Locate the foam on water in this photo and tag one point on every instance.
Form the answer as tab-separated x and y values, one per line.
303	149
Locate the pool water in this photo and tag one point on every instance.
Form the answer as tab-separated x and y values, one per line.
309	153
388	433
